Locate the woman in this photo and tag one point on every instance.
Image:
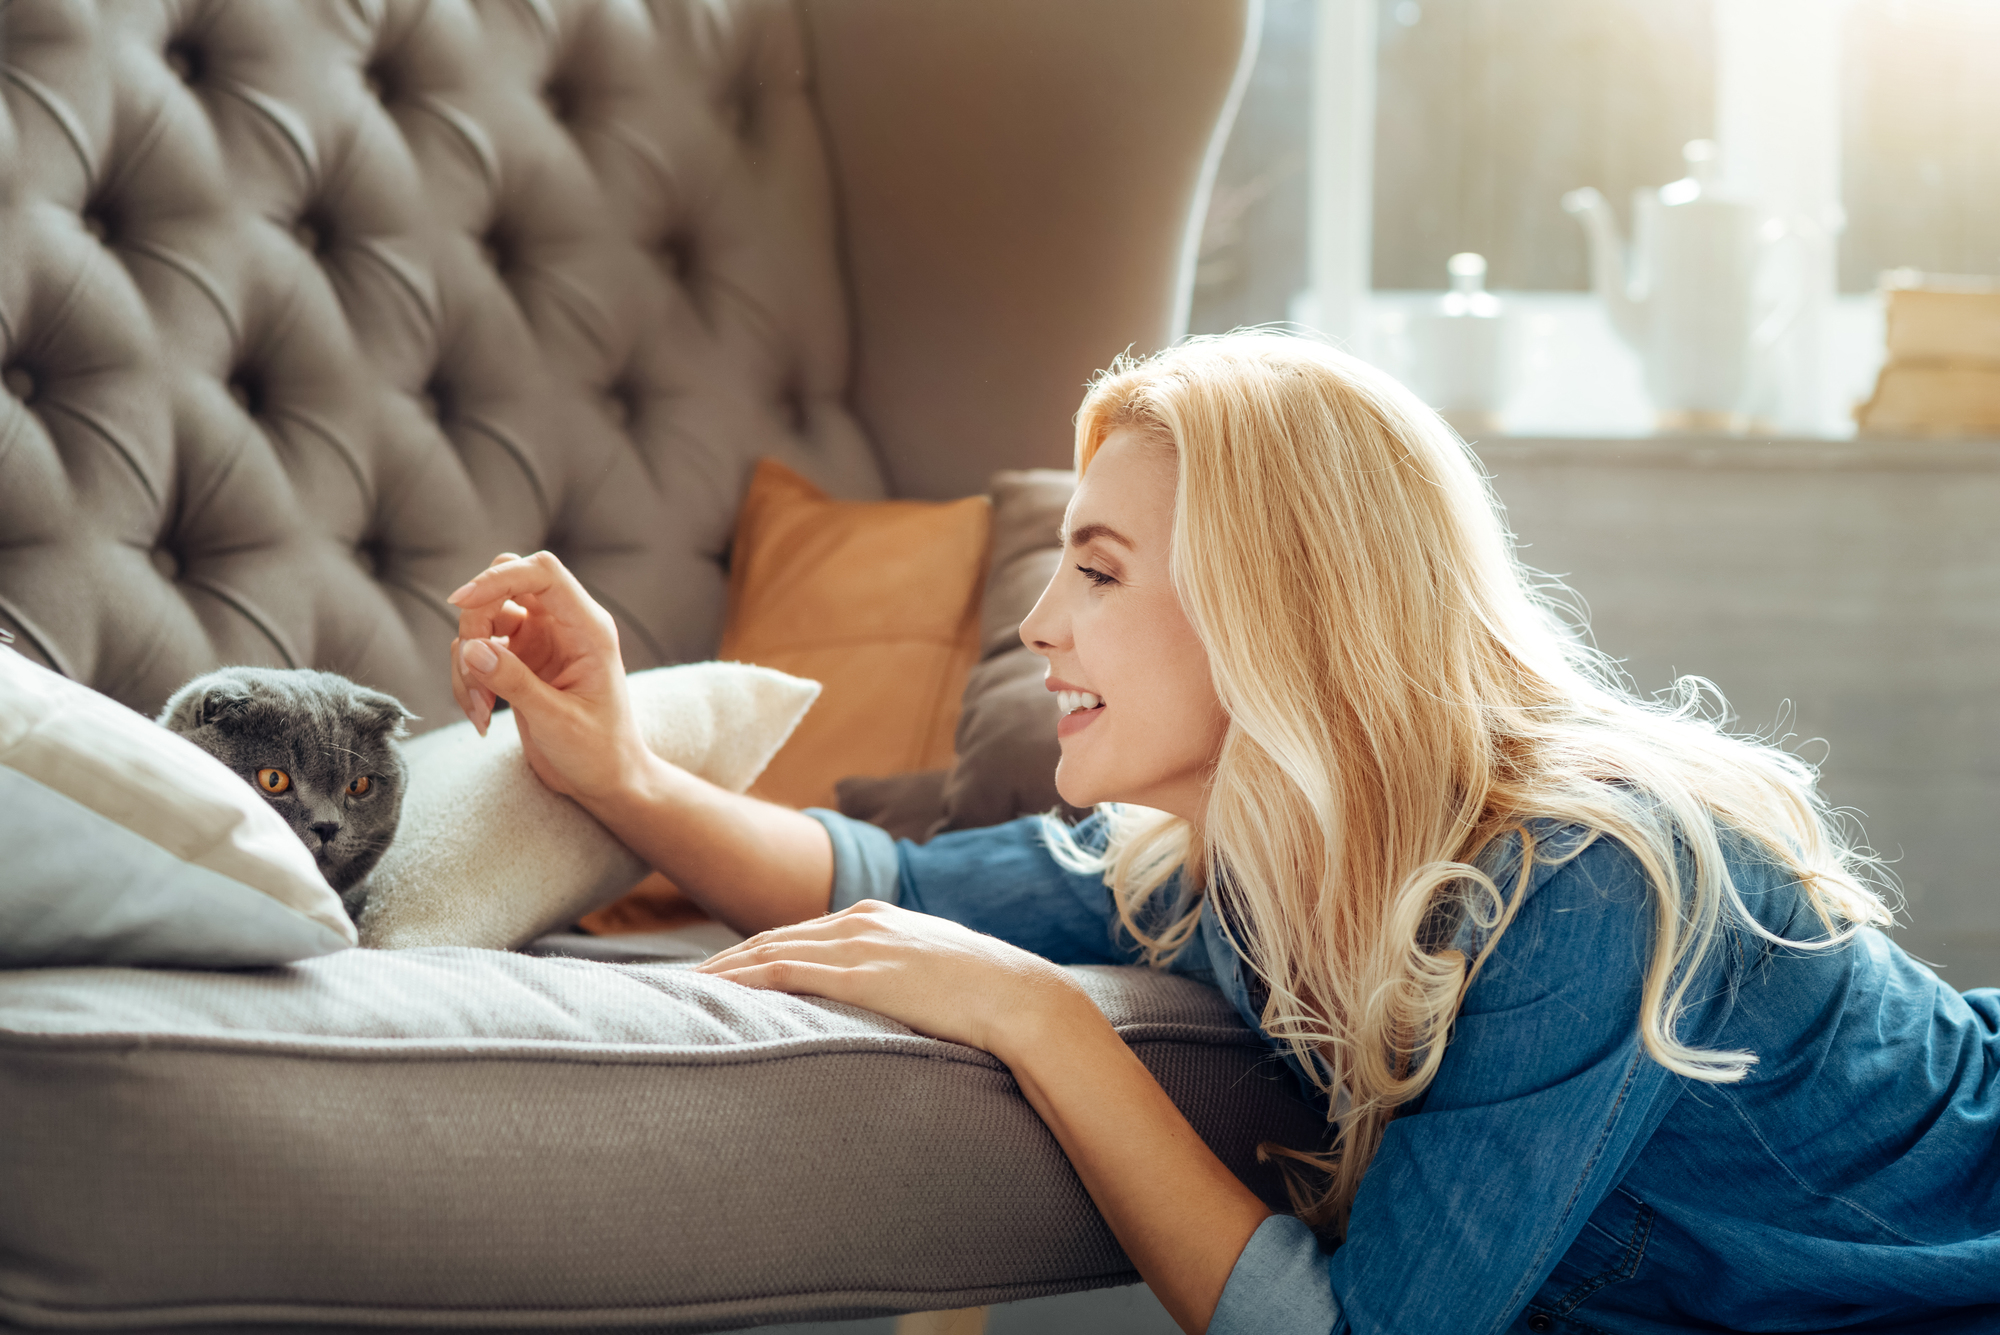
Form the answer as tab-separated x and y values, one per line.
1590	990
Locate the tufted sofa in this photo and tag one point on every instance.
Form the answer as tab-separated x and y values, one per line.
308	307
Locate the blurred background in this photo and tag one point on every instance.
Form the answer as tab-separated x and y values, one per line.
1869	124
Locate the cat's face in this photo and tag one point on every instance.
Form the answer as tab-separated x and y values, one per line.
319	748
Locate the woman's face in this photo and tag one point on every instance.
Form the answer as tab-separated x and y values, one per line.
1117	641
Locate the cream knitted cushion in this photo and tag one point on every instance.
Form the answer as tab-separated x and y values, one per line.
487	856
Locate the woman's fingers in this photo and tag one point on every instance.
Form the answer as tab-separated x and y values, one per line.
799	976
490	667
480	618
509	618
540	577
558	630
761	950
842	926
475	701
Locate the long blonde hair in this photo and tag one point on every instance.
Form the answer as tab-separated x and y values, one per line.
1402	693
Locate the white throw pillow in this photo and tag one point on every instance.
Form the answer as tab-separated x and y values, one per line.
107	759
487	856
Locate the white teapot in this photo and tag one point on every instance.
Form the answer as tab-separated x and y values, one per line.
1688	303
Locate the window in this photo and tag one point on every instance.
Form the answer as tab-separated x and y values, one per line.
1872	127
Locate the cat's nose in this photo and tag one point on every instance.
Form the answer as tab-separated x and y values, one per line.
325	829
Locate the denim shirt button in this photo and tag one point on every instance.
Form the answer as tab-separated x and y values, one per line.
1541	1321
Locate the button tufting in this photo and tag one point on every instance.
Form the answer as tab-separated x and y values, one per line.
439	401
559	96
621	401
792	405
394	144
247	388
498	248
676	251
740	112
313	234
21	383
185	60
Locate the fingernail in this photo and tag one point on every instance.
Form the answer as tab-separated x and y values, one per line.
459	592
479	657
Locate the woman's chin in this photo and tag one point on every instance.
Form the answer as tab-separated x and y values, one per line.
1073	786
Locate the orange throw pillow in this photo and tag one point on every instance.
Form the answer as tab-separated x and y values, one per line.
878	601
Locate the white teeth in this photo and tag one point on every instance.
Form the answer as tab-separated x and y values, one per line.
1071	701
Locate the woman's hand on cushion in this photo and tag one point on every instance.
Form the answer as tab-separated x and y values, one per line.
528	633
939	977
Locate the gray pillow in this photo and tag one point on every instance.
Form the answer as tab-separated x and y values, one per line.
79	888
1006	744
908	806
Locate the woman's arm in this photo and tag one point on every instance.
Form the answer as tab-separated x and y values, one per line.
530	635
1180	1214
751	864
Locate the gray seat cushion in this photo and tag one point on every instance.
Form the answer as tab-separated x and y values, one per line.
460	1138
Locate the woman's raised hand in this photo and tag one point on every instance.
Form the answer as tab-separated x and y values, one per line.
529	634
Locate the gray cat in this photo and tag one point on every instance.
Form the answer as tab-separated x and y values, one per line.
321	750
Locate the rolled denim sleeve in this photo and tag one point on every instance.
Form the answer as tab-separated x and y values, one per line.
1002	880
864	860
1005	881
1279	1286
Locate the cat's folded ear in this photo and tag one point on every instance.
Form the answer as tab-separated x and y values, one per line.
203	701
380	712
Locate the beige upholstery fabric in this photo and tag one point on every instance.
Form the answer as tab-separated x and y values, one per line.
1023	185
310	308
462	1138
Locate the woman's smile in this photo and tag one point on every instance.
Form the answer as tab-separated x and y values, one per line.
1079	707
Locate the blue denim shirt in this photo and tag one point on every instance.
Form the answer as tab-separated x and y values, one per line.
1554	1178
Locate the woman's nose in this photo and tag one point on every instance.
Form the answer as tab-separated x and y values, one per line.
1038	628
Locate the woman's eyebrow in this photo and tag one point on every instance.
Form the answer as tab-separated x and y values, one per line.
1091	532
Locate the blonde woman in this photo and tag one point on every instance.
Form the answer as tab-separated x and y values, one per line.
1591	992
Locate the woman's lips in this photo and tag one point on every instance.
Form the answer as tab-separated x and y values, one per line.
1076	721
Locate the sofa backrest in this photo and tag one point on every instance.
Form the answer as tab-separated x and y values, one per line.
310	307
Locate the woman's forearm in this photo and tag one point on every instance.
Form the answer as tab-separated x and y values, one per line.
1180	1214
751	864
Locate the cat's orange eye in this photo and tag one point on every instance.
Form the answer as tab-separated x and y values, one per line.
273	780
358	787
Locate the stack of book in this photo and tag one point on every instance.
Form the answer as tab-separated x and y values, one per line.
1943	372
